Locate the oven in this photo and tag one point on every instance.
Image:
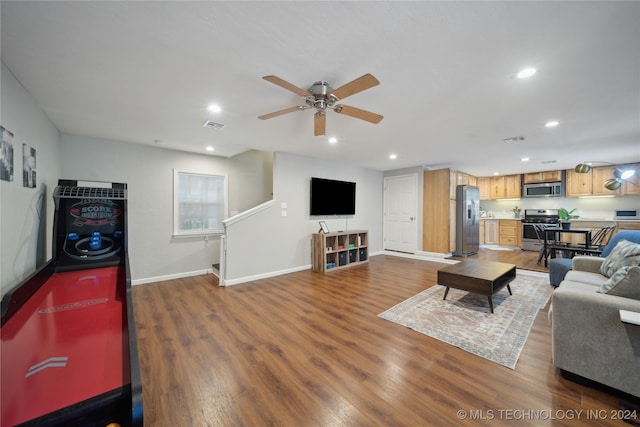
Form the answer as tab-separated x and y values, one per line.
536	216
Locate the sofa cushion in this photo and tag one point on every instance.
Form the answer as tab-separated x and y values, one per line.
624	283
586	278
579	286
625	253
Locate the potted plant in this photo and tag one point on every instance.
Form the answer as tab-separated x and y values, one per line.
566	216
516	212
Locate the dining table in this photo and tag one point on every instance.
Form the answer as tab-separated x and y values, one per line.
556	238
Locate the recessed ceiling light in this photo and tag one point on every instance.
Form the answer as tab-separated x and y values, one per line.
551	124
526	73
393	156
525	159
496	173
209	148
333	140
214	108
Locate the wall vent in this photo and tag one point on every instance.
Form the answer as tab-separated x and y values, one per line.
513	139
213	125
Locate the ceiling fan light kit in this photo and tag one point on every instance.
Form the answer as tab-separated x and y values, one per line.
321	96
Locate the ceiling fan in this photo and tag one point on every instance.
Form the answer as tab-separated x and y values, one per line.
321	96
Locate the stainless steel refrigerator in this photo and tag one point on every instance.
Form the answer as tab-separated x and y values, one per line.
467	220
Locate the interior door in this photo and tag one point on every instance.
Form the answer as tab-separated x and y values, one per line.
400	213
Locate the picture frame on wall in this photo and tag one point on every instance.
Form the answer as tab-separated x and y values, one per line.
323	227
6	154
28	166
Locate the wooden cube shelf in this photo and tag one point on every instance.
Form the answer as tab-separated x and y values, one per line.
332	251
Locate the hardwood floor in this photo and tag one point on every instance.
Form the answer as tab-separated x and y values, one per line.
526	260
307	349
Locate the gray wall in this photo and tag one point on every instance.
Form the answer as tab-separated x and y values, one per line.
26	214
271	242
148	171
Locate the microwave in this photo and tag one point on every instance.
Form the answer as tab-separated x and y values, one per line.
627	214
543	189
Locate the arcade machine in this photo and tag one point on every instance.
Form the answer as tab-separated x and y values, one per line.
69	349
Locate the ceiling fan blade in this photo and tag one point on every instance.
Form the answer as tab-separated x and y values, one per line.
319	123
281	112
358	85
358	113
285	84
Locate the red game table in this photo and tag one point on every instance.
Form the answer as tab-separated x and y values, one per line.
65	352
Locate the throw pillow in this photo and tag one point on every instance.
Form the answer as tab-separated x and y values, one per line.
625	253
624	283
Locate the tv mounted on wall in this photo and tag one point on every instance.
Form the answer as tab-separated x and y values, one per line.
330	197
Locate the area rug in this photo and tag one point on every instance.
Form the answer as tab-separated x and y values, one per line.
465	321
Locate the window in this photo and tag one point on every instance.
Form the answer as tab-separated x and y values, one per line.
199	203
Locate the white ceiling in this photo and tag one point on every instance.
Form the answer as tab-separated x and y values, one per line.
143	71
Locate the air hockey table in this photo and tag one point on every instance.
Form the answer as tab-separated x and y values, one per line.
69	349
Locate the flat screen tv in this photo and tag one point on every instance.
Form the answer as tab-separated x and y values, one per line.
330	197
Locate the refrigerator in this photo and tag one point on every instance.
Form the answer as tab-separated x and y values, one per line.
467	220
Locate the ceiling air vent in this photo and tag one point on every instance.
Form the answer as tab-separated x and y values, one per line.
213	125
513	139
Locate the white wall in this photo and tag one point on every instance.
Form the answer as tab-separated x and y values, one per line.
270	243
26	214
148	171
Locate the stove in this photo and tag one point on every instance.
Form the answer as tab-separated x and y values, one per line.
536	216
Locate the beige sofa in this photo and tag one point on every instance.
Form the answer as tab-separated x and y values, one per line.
589	339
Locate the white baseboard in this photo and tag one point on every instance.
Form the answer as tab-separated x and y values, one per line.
425	256
171	277
231	282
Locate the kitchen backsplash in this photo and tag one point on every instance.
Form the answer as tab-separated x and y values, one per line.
587	208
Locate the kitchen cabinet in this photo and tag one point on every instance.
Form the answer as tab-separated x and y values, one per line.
438	228
505	187
482	231
627	225
592	183
579	184
510	232
513	187
439	208
460	178
599	176
546	176
491	232
484	184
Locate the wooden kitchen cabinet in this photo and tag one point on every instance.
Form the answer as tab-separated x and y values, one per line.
439	208
438	229
546	176
510	232
460	178
599	176
505	187
497	187
491	232
482	231
592	183
513	186
579	184
484	184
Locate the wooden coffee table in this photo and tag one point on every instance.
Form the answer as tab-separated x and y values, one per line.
480	277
